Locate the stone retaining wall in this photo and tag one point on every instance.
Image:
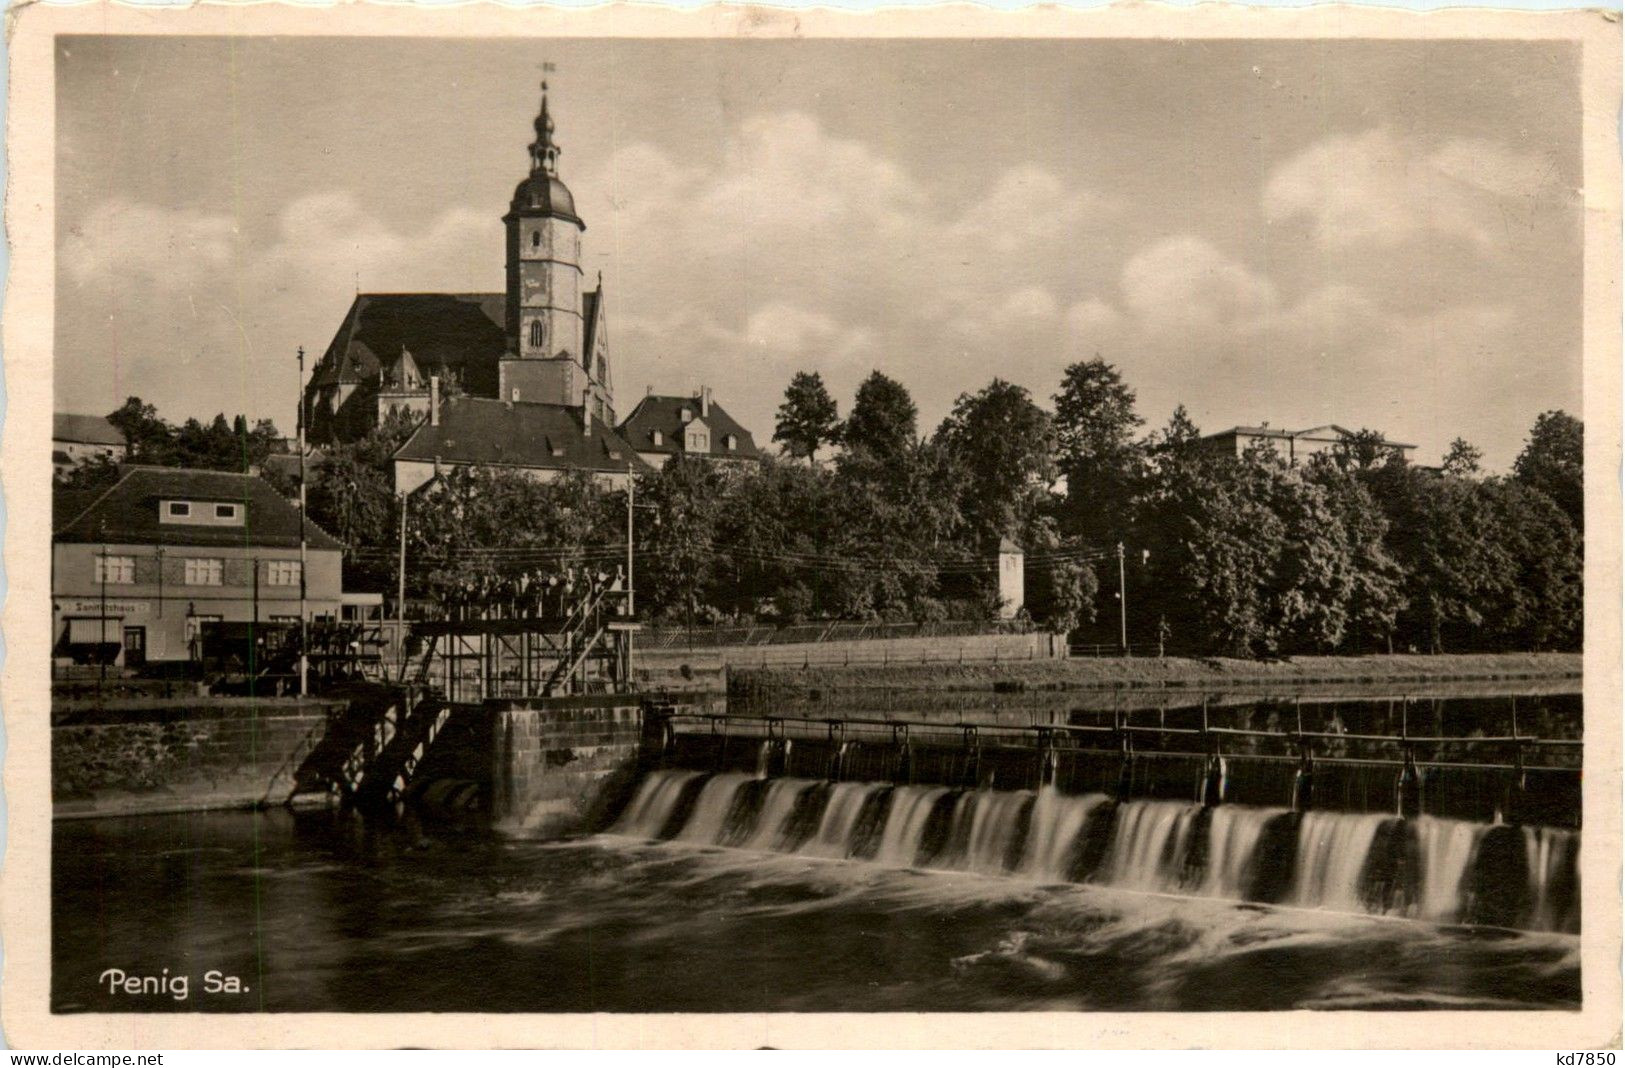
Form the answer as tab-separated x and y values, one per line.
178	757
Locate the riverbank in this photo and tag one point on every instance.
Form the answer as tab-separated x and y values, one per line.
1178	674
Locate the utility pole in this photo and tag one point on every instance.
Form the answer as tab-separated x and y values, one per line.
101	646
304	614
1122	602
631	489
400	601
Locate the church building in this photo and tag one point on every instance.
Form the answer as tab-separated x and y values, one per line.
544	341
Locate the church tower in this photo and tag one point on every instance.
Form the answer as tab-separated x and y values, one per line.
550	358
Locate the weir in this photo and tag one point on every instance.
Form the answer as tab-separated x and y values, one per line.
1423	868
1470	829
1515	777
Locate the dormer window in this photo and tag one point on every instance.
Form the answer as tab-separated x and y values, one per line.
202	513
699	441
730	442
685	415
657	437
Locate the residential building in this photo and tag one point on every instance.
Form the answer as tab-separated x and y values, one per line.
661	427
77	438
142	565
541	441
1293	446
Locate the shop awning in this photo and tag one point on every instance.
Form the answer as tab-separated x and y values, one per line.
94	631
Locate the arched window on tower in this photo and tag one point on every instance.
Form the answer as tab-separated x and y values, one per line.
536	333
535	239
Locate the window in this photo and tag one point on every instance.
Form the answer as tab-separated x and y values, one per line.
536	333
115	570
730	442
180	509
194	626
282	573
657	437
699	441
685	415
535	239
225	511
205	571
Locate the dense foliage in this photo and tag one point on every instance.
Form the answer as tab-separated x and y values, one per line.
1350	551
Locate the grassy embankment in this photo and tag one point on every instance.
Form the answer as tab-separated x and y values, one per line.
1172	673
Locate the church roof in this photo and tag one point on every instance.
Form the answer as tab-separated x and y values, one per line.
448	333
494	433
665	414
128	512
545	194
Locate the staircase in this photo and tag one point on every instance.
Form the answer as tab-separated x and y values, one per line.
582	631
370	751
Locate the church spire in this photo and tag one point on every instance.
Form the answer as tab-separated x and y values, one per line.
544	153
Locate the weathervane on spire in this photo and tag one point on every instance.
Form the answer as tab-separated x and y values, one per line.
544	154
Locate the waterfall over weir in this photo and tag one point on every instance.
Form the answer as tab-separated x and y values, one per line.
1445	871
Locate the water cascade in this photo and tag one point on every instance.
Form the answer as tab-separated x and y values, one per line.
1425	867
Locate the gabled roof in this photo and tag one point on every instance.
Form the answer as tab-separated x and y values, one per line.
461	333
128	512
494	433
663	413
84	430
402	373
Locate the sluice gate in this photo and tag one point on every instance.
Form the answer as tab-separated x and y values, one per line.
1514	778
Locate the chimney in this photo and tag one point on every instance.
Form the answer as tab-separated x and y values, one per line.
705	402
434	400
586	411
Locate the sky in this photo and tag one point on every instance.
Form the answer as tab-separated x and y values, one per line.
1373	234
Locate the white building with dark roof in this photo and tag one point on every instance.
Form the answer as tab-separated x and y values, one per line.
139	568
697	427
1293	446
76	439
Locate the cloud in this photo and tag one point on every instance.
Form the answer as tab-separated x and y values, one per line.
1379	189
800	249
201	317
794	248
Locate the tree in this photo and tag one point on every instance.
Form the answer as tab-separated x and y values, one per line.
147	438
1214	539
1462	459
1095	423
883	418
1061	594
1538	603
676	535
1005	445
1553	461
1440	532
808	417
1363	450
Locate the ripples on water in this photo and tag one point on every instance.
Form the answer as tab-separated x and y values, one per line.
325	915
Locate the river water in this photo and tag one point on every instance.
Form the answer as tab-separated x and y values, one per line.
317	912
